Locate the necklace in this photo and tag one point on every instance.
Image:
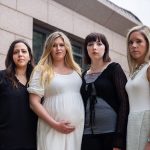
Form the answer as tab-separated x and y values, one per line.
136	71
94	69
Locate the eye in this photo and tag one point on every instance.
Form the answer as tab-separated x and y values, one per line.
15	52
90	44
54	45
24	51
130	42
139	41
62	45
99	43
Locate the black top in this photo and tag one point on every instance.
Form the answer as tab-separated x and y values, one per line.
17	121
110	86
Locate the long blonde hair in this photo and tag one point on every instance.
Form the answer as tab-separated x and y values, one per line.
145	31
45	64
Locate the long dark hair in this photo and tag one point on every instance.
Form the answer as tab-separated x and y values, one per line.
10	65
93	37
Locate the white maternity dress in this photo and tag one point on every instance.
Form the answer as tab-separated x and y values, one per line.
138	128
63	101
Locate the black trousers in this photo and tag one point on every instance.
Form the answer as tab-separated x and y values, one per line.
97	142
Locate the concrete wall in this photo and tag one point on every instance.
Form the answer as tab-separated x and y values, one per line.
16	21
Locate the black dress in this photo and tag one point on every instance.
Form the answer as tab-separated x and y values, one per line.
17	121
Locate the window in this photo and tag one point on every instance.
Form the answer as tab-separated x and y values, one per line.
38	43
77	52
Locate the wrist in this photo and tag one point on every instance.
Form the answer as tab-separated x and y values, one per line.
55	124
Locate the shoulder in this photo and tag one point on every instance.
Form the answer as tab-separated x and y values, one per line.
2	73
114	66
116	71
74	72
3	78
37	71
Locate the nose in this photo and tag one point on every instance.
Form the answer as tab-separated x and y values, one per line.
58	46
134	44
94	46
20	53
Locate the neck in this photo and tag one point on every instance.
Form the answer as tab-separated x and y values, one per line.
139	64
98	66
59	64
21	72
140	61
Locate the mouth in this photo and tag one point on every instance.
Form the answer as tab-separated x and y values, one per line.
20	60
94	53
135	52
59	52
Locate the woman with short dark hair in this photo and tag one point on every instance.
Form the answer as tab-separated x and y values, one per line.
105	98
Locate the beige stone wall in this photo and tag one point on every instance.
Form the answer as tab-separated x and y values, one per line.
16	21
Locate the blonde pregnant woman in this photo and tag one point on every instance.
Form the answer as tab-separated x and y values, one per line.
57	79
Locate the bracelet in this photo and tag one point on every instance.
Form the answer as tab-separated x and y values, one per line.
148	139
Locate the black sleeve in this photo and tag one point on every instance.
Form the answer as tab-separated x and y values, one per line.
120	80
2	74
83	89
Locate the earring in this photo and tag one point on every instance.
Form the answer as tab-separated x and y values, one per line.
29	62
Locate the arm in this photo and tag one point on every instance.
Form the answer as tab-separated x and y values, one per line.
37	107
147	146
148	74
36	91
119	81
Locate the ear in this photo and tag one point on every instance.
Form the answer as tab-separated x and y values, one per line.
29	62
29	57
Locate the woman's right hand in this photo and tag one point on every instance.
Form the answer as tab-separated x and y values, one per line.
64	127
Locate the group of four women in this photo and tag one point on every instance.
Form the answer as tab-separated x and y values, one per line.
98	110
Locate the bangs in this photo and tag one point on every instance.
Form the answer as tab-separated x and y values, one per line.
93	38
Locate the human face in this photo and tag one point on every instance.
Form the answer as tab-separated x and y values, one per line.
137	46
58	50
96	50
21	55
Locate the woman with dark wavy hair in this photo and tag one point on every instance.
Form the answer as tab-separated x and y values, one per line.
17	121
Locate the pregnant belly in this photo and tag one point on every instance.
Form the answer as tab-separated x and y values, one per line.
67	108
74	115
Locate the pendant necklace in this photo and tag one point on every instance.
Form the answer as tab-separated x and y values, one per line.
136	71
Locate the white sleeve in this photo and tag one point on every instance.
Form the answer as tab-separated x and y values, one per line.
34	85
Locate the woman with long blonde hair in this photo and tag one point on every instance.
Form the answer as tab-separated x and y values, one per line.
57	80
138	88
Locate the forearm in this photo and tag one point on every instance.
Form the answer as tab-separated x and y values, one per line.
41	112
61	126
